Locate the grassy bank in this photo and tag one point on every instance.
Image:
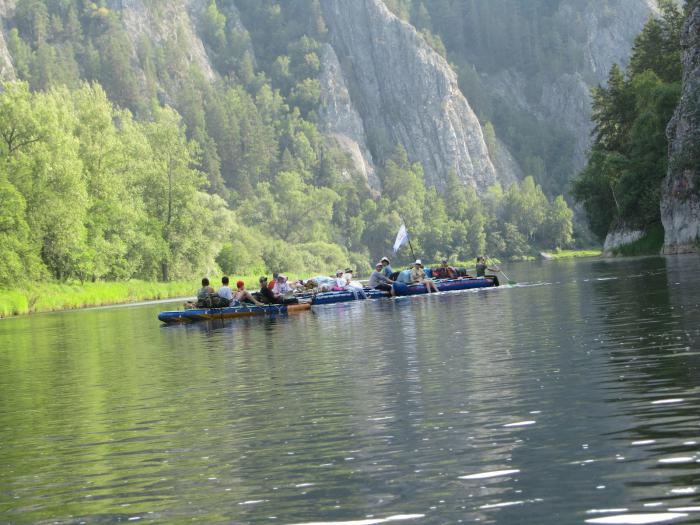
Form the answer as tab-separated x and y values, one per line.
569	254
51	297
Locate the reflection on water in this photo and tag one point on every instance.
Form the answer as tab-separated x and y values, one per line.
573	397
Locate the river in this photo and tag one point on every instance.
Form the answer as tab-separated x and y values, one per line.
571	397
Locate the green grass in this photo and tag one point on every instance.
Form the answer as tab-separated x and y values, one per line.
51	297
568	254
649	244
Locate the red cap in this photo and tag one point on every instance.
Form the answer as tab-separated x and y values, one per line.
240	284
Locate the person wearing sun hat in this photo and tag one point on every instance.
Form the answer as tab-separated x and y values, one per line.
387	270
418	277
379	281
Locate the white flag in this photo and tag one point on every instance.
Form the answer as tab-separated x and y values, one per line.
401	238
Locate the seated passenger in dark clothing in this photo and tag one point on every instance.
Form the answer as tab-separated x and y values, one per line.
267	296
444	271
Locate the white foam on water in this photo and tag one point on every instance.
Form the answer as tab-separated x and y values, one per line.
492	474
639	519
520	424
685	490
667	401
685	509
252	502
504	504
302	485
606	511
644	442
373	521
674	461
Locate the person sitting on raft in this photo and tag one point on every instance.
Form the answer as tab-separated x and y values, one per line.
418	277
481	267
282	287
339	283
267	296
386	267
225	291
444	271
243	295
379	281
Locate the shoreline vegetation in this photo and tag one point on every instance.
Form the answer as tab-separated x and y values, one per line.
55	297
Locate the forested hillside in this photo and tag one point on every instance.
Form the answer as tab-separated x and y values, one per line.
620	187
161	141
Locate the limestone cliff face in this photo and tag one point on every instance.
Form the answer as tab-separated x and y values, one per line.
406	93
340	119
7	70
680	202
167	22
565	101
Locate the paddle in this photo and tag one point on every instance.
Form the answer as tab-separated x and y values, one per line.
502	273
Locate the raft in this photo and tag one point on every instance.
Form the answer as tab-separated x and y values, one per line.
447	285
231	312
345	296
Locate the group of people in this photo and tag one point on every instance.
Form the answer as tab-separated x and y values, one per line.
280	291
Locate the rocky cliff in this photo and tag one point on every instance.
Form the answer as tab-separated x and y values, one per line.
7	70
680	203
406	93
340	119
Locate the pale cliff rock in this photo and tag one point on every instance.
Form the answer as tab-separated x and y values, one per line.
620	237
407	93
7	70
339	118
167	22
680	201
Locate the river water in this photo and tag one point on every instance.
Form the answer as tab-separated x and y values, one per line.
572	397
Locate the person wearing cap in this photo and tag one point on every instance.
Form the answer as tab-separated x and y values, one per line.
242	295
338	282
418	277
386	267
273	282
281	286
267	296
444	271
379	281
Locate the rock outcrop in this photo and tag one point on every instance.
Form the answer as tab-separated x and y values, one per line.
620	237
680	202
340	119
7	70
406	93
168	22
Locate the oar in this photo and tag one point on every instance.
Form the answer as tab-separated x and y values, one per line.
502	273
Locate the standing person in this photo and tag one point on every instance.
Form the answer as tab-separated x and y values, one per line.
225	291
481	267
244	295
386	267
379	281
418	276
267	296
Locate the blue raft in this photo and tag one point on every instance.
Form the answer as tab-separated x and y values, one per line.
231	312
345	296
447	285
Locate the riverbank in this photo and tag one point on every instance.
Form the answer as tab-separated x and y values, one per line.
570	254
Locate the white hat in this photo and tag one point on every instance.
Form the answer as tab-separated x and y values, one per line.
418	262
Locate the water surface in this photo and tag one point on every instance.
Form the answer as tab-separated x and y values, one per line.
573	397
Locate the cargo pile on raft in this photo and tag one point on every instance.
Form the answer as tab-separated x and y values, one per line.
279	296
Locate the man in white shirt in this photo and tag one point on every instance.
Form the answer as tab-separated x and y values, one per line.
225	290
